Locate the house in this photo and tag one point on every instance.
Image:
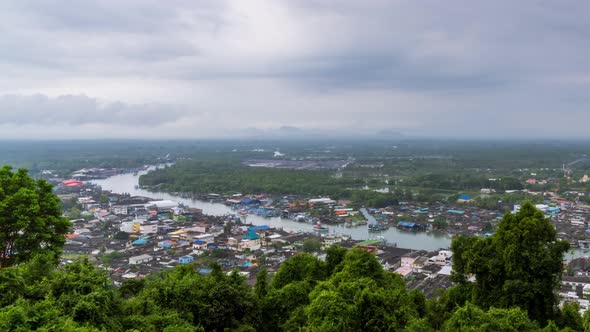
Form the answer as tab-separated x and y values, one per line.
431	270
419	263
130	226
204	237
186	259
148	229
323	200
140	259
409	259
252	235
120	209
163	204
464	199
443	257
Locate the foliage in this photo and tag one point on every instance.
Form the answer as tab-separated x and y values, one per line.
30	218
311	245
519	266
440	223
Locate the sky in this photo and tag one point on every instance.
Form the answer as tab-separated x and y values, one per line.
216	68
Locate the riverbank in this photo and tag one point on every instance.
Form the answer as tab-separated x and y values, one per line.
128	183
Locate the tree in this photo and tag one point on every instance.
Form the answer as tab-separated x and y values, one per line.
334	256
312	245
520	265
473	318
570	317
30	218
261	286
440	223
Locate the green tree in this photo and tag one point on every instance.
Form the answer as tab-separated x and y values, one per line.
440	223
473	318
334	256
569	316
520	265
261	286
301	267
311	245
31	220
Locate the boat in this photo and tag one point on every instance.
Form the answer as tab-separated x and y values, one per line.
318	227
377	227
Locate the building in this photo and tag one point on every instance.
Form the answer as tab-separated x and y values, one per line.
119	209
464	199
140	259
186	259
443	257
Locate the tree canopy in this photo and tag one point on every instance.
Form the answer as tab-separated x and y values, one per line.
30	218
520	265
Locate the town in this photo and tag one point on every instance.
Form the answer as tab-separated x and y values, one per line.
134	236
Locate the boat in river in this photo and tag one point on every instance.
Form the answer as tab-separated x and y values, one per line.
319	227
378	227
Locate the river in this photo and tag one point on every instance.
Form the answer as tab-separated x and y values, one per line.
126	183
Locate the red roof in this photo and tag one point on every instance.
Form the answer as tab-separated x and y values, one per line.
73	183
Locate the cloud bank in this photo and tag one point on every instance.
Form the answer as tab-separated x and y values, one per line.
216	68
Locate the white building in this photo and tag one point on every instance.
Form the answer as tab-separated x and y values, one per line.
140	259
443	257
120	209
148	229
164	204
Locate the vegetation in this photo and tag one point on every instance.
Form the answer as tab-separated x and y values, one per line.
520	265
30	218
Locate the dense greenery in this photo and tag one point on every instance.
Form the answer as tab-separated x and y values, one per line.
348	292
520	265
516	271
226	177
421	171
30	218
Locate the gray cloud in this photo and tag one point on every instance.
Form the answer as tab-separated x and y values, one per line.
81	110
336	64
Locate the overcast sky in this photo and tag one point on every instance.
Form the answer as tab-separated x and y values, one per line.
198	68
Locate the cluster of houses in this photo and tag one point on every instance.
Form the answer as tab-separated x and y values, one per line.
133	236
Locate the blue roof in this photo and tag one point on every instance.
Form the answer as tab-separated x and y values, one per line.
185	259
205	271
456	211
198	241
465	197
258	228
406	224
139	242
247	264
249	201
251	235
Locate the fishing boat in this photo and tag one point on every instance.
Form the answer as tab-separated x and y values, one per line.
318	227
